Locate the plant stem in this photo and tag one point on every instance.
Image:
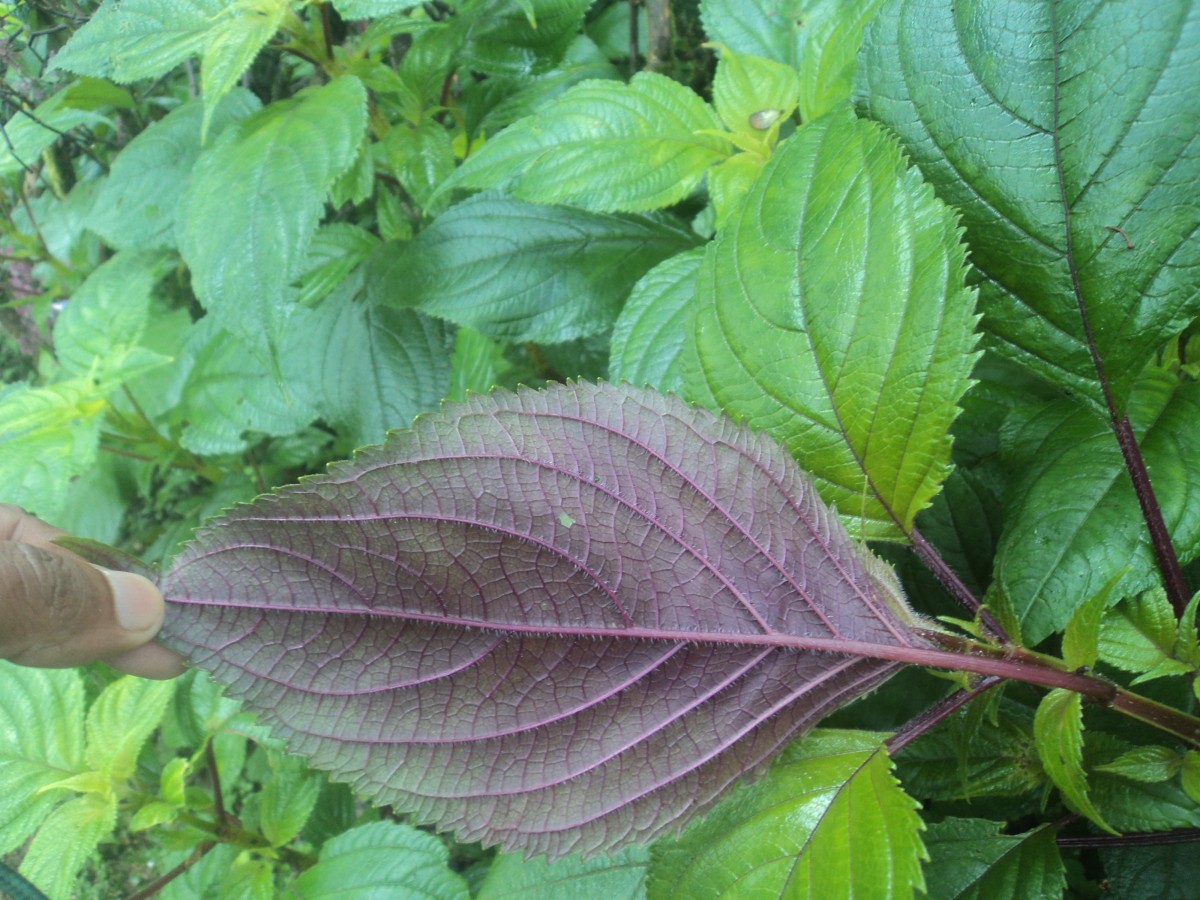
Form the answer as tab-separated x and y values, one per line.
1145	839
922	723
1160	538
167	877
933	561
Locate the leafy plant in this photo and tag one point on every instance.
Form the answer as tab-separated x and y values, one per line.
571	618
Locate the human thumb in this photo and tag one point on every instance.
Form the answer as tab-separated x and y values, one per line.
56	610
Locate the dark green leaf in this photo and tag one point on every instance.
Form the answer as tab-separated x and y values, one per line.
1051	132
506	37
1165	873
970	858
520	272
1074	522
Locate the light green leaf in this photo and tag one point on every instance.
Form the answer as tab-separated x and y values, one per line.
519	272
172	782
729	181
48	435
255	198
1187	638
752	94
387	858
1050	125
1073	519
655	323
28	133
1138	636
127	40
1058	733
1189	775
1081	640
1147	764
231	391
138	201
828	820
370	9
237	35
832	38
153	814
831	313
98	335
41	742
604	146
66	840
773	29
621	876
288	797
970	858
120	720
515	37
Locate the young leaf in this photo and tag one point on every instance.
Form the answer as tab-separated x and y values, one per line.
1058	732
621	876
1147	764
1066	140
832	38
288	798
138	201
751	94
604	146
520	272
831	313
230	46
120	720
255	198
384	859
1074	522
828	820
66	840
655	323
970	858
1081	640
459	651
1139	635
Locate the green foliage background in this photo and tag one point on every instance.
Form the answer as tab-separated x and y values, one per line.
243	237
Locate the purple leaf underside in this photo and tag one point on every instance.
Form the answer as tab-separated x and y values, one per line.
557	620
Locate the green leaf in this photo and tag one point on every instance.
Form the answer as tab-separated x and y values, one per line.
832	39
288	797
731	180
1058	733
970	858
237	35
831	313
1074	521
41	742
48	435
621	876
773	29
255	198
655	324
747	87
138	201
370	9
476	365
1163	872
127	40
98	335
1050	129
519	272
1081	640
1138	635
231	391
1148	764
422	157
66	840
1189	775
30	132
828	820
374	368
604	146
387	859
513	37
120	720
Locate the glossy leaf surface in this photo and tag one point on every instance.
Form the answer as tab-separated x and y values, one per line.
555	620
1067	139
831	313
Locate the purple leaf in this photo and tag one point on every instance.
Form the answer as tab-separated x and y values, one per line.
558	621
